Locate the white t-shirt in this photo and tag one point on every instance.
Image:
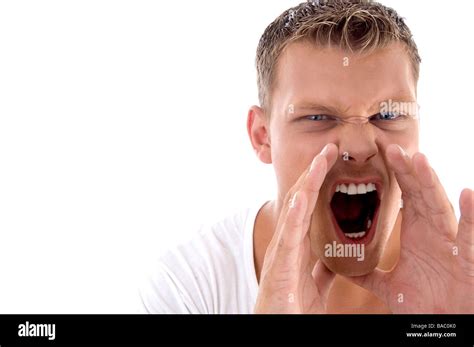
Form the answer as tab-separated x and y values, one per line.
212	273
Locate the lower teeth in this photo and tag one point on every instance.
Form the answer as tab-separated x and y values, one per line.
356	235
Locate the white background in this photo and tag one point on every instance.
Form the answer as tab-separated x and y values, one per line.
122	130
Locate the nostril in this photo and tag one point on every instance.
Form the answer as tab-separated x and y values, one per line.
362	158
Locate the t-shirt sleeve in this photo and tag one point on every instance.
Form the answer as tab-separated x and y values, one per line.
160	293
204	275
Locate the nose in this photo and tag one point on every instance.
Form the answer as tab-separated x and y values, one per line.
357	143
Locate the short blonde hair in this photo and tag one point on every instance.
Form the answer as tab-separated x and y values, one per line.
354	25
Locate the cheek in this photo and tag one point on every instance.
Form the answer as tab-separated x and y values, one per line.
288	165
291	156
412	140
407	140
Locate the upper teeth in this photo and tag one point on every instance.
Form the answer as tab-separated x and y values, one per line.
353	189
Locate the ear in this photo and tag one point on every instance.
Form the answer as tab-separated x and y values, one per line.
258	129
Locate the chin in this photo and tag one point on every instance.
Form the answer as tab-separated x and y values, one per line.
352	225
351	266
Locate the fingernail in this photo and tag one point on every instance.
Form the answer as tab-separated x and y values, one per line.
313	164
323	152
293	200
402	151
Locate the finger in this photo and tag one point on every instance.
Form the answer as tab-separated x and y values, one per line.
401	164
323	278
465	236
310	182
319	168
435	198
289	239
422	191
374	282
417	179
433	192
399	161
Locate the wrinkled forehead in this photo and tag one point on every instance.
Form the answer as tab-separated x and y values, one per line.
343	80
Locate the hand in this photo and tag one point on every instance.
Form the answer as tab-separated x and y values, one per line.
289	283
435	273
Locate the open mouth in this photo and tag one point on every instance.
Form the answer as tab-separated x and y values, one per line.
355	210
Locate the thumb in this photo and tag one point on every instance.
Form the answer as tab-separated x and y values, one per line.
323	278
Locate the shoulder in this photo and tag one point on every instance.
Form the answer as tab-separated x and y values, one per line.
206	274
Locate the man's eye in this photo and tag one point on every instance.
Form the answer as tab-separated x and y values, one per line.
387	116
318	117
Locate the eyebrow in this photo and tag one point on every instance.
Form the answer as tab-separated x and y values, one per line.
316	106
330	110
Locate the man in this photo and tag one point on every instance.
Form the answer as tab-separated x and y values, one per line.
361	223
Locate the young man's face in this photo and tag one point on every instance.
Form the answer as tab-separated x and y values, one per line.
343	85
